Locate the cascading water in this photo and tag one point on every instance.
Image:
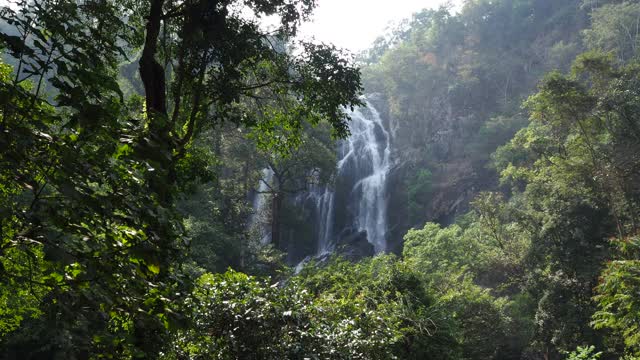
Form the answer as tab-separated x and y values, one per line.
367	150
361	178
322	198
357	201
258	220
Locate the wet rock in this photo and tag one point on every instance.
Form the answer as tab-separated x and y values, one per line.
353	245
318	260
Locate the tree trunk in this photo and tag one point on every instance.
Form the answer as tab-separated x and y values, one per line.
151	72
275	219
160	146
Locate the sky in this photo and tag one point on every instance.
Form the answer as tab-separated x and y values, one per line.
355	24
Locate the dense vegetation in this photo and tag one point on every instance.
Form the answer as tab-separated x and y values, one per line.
133	134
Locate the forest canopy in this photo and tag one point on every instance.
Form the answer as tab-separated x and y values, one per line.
163	163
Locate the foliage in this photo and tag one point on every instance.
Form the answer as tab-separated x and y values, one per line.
78	192
449	263
121	208
452	84
394	309
418	191
618	305
238	317
91	235
615	28
309	166
321	314
584	353
540	251
567	168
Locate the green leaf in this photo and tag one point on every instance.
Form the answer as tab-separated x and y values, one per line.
154	268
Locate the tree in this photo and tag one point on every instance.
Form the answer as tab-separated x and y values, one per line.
584	353
615	28
418	192
618	305
567	170
311	164
90	177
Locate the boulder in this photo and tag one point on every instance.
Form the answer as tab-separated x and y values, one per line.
353	244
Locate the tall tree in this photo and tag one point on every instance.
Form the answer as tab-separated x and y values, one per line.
89	229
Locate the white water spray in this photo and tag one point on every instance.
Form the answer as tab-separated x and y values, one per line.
259	219
361	174
364	157
369	142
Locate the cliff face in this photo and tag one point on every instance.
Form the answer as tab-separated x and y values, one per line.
450	87
455	178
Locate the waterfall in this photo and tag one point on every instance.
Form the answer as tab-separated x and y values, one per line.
261	207
323	200
357	201
368	150
362	177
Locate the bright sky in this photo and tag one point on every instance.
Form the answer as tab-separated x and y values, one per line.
355	24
